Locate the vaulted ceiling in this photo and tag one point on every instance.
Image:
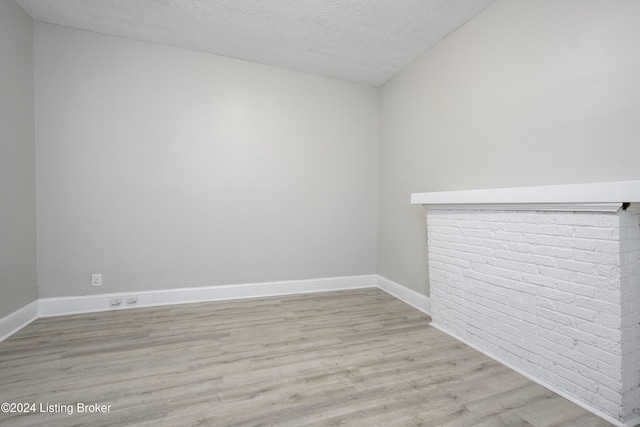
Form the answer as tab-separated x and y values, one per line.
362	41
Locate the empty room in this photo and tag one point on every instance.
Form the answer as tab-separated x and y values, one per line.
279	213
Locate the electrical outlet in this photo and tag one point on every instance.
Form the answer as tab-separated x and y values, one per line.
116	301
132	300
96	279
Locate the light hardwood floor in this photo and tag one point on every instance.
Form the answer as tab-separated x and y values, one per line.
355	358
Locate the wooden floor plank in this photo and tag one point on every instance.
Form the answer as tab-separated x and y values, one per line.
356	358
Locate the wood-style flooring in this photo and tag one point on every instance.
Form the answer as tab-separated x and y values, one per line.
353	358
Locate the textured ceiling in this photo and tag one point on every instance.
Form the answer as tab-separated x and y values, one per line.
363	41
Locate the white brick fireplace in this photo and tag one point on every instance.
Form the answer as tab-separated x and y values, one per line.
547	281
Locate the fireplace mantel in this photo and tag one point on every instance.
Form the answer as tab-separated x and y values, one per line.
594	197
547	281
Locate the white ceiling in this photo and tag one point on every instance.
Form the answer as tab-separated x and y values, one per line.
362	41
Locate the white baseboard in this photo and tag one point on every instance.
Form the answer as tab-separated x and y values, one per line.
102	302
556	390
58	306
411	297
17	320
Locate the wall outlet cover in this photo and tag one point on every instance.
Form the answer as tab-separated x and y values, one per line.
96	279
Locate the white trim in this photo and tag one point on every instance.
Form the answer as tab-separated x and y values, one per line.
556	390
552	207
58	306
602	192
411	297
12	323
102	302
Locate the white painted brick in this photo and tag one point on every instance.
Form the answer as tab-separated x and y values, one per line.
555	230
597	282
451	259
575	311
545	260
607	246
481	279
479	225
609	320
529	314
577	379
507	329
473	257
608	271
507	293
498	271
505	254
522	267
600	355
576	243
554	293
538	279
519	227
526	288
563	340
607	393
630	258
577	335
558	273
598	305
593	373
593	328
552	354
487	333
507	236
532	218
555	252
577	266
539	239
515	309
521	247
595	257
495	262
547	324
456	248
546	303
483	251
522	325
587	219
610	346
610	370
529	299
556	317
597	233
478	233
477	317
438	243
494	244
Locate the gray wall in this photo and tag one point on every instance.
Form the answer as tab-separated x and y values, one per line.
17	161
161	167
527	93
165	168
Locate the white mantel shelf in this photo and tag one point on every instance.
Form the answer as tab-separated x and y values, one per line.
546	290
594	197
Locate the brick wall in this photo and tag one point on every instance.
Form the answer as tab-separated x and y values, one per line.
630	322
556	294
